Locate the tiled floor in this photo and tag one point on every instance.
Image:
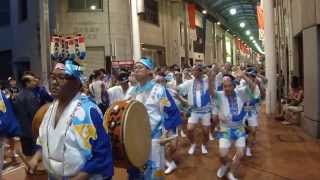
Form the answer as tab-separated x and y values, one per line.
281	153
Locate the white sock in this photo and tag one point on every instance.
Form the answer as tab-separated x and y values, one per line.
204	149
192	149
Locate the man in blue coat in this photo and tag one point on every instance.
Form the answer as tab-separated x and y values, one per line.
8	125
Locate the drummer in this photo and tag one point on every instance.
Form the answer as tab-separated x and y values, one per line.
158	104
73	143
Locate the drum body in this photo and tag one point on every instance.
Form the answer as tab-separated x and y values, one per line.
127	123
37	119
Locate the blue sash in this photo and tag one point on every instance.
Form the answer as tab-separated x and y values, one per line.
205	95
251	104
254	101
233	106
173	117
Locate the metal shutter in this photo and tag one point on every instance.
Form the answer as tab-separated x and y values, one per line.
95	59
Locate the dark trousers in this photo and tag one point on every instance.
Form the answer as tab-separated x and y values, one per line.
134	173
28	146
103	107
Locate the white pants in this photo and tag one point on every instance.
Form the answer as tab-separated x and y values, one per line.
225	143
156	162
157	155
253	120
195	118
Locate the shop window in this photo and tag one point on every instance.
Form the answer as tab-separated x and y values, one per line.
79	5
151	14
23	10
5	13
5	64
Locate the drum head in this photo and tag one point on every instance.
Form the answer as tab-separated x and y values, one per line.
137	134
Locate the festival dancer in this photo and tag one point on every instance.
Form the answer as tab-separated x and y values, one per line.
230	105
253	107
197	91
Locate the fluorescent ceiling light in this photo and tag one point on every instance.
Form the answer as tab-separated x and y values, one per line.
233	11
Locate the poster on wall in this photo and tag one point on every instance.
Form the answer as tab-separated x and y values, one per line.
198	44
228	50
260	19
193	34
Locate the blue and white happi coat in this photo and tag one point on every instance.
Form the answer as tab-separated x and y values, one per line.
77	143
9	126
163	115
198	99
252	106
231	112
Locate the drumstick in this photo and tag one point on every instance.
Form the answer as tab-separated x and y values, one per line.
166	140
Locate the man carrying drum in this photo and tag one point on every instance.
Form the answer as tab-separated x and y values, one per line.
161	108
73	142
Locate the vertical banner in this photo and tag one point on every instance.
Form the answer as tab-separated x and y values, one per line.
260	18
204	28
238	43
192	15
198	43
241	47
